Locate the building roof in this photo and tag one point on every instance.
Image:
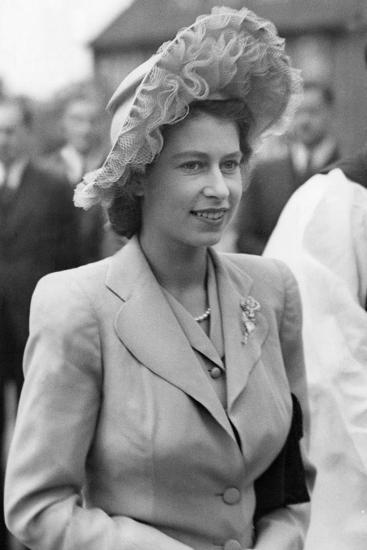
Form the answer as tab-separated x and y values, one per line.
148	23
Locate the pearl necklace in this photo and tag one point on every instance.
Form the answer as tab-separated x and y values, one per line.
204	316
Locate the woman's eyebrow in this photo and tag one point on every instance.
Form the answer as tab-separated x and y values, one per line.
238	154
201	154
190	153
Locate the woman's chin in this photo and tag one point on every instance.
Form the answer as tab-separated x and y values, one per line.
210	240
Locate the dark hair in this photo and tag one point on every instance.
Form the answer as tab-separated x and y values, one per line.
325	90
125	211
230	109
23	106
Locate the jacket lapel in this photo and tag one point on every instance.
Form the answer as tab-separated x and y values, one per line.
145	321
234	286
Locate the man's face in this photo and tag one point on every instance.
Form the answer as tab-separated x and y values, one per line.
312	119
81	125
13	133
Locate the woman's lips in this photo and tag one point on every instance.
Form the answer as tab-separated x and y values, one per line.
212	214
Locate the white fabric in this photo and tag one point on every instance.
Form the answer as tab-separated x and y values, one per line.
322	236
2	174
74	163
13	174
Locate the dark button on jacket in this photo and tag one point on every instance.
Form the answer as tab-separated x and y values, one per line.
215	372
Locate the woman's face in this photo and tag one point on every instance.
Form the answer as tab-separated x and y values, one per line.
194	186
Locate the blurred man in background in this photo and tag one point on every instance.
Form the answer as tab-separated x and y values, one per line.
311	147
38	235
82	152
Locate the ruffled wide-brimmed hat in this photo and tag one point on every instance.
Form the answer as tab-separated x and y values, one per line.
229	52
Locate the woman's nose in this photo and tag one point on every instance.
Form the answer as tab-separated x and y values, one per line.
217	185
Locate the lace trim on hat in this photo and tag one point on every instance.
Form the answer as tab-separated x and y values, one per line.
234	52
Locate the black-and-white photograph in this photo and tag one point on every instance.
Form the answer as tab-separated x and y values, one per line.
183	275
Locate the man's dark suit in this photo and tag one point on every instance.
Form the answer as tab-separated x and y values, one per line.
38	235
91	222
273	181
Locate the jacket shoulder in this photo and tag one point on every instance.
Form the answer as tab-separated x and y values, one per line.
272	279
257	267
87	280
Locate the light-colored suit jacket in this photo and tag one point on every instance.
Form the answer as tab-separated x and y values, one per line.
121	442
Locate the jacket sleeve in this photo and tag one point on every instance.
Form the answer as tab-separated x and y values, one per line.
57	419
285	528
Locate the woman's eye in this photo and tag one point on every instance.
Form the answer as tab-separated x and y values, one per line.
230	165
192	166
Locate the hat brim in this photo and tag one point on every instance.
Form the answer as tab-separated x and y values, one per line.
233	52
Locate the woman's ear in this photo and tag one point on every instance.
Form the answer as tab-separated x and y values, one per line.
138	185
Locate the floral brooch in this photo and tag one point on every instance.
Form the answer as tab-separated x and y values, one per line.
248	317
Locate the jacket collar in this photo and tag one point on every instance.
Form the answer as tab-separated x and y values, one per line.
145	320
234	286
